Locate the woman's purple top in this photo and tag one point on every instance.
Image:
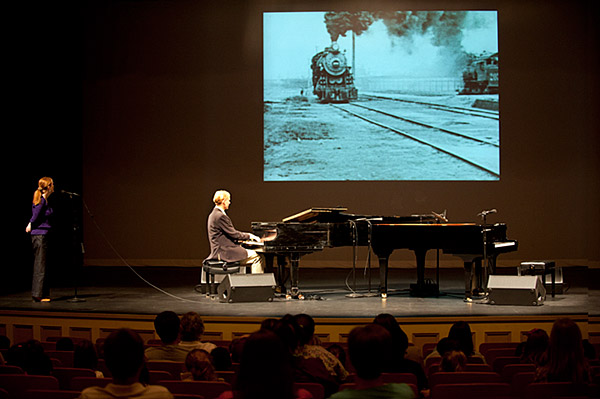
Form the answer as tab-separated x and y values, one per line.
40	219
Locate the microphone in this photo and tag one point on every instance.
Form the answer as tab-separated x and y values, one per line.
441	217
485	213
70	193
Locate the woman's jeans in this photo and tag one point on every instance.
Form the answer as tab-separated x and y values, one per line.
39	287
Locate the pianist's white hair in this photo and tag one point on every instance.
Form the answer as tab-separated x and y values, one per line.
220	196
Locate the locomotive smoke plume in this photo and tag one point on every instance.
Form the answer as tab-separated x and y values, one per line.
445	26
339	23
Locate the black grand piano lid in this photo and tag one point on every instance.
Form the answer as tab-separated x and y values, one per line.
313	215
339	215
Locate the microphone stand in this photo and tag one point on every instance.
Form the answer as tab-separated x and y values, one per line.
77	238
370	232
486	264
354	294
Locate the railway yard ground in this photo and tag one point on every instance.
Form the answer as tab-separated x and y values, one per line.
382	136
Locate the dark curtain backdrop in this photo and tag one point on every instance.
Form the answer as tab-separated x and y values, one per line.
148	107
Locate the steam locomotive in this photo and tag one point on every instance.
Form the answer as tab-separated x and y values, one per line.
331	76
481	75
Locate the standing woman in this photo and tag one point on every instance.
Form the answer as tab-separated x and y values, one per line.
39	226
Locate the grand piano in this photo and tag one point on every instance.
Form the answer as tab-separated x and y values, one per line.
314	229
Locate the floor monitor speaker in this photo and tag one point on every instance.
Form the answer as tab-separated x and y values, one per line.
516	290
247	288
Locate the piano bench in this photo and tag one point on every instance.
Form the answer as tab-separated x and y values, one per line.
539	268
212	267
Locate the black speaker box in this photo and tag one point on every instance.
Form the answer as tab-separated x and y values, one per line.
247	288
516	290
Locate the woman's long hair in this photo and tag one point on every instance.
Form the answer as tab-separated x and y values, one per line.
535	347
399	337
44	186
566	361
461	333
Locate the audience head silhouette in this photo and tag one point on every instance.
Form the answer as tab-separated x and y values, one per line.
84	355
192	327
124	355
265	368
535	347
453	361
399	337
199	363
167	325
306	328
461	333
566	361
369	349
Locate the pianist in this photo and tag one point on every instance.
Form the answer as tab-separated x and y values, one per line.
224	238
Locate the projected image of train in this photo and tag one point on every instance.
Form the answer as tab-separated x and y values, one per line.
332	77
481	75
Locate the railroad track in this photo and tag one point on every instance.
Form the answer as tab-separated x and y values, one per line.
479	153
482	113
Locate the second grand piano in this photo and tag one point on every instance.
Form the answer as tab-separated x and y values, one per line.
318	228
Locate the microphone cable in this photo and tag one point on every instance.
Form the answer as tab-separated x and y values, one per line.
125	261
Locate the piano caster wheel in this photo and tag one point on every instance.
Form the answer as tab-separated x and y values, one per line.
469	300
384	295
300	297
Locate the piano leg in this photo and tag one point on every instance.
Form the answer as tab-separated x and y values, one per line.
294	267
421	289
383	274
469	275
280	274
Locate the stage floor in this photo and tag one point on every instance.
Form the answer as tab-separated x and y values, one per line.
118	290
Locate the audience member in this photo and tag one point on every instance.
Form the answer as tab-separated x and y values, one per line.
461	333
221	359
192	328
85	357
30	357
453	361
199	365
369	348
338	352
167	325
307	349
236	347
443	345
565	359
265	370
534	349
398	362
304	369
124	356
268	323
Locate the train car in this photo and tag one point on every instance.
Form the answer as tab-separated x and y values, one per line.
331	76
481	75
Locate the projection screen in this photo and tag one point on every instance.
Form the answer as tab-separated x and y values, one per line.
380	96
